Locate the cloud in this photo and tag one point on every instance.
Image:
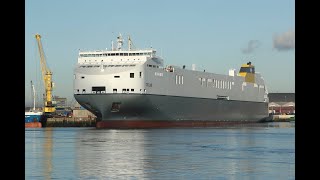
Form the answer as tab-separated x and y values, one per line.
252	45
285	41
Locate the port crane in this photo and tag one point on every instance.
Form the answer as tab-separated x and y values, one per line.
47	80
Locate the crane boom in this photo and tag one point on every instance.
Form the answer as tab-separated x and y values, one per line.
47	79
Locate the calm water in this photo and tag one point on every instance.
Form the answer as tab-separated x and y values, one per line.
266	152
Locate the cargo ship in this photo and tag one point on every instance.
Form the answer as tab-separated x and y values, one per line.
133	88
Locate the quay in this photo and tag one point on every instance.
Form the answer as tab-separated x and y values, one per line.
282	117
69	122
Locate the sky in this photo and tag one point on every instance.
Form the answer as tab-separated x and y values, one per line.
216	35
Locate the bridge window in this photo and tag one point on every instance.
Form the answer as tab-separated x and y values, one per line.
131	75
247	69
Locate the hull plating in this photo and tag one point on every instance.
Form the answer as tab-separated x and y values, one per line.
159	108
32	118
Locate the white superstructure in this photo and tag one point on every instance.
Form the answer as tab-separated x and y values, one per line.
119	73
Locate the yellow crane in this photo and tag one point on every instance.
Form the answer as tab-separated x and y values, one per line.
47	79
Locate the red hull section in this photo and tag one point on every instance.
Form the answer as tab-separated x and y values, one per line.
133	124
32	125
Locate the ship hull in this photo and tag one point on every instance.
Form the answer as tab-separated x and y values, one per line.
146	110
32	117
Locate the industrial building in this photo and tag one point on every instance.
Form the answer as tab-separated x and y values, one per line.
281	103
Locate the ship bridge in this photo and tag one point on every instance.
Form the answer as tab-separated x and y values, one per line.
117	56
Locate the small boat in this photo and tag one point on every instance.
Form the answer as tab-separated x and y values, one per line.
33	117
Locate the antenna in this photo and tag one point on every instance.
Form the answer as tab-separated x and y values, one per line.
34	97
112	46
120	42
129	43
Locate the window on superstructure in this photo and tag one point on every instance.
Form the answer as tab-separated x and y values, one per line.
114	90
131	75
203	80
116	76
181	79
247	69
82	77
140	74
83	90
121	54
132	90
125	54
124	90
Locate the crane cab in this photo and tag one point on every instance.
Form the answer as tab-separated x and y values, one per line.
248	72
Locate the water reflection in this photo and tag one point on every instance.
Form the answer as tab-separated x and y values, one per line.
110	153
47	153
263	152
185	153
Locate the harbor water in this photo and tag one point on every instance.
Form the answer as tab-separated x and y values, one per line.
265	151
